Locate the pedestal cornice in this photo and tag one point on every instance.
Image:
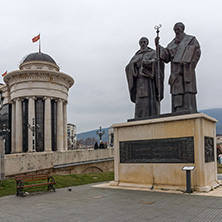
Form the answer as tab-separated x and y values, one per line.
165	119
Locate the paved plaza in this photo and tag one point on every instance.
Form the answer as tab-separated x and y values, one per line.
89	203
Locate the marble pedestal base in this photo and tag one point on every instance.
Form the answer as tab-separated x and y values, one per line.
153	152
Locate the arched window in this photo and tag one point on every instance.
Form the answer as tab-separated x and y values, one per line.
54	124
5	126
39	121
25	125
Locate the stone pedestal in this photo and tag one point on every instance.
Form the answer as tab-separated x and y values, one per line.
153	152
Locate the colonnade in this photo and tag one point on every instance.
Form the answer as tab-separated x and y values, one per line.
17	124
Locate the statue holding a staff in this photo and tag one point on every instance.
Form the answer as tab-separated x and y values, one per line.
145	75
184	53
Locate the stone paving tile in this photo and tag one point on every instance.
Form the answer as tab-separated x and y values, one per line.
163	219
151	214
139	219
218	218
189	214
85	203
208	215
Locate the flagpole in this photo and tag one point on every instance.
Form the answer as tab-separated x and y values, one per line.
39	44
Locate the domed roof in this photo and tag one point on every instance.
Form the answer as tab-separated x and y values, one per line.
38	56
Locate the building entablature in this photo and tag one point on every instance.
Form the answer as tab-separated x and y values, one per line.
38	75
22	83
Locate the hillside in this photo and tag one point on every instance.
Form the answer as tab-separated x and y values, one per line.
92	133
215	113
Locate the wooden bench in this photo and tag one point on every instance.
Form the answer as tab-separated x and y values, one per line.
24	181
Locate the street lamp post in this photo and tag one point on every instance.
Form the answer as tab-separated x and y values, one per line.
72	140
33	128
100	133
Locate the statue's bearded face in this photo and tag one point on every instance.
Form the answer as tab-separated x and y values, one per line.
178	29
143	43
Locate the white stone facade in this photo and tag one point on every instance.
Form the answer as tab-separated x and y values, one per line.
38	80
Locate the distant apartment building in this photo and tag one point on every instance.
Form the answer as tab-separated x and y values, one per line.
71	136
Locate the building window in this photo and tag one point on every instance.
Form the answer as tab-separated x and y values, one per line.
25	125
39	121
5	126
54	124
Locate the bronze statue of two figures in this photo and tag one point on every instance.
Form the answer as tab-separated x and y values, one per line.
145	74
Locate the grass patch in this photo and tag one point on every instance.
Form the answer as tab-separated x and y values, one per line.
8	187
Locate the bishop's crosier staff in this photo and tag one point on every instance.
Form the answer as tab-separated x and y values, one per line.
157	27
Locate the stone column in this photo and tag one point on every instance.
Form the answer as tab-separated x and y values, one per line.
18	125
65	126
48	125
60	125
13	128
31	115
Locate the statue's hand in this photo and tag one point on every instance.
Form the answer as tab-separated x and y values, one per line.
144	62
153	60
157	39
148	62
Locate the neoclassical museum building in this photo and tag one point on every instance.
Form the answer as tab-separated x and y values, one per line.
34	106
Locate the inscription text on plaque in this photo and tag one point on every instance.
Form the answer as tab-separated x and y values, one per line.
171	150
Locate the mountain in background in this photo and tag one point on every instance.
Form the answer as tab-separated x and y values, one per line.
215	113
92	133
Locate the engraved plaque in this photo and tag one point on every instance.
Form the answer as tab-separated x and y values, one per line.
209	149
171	150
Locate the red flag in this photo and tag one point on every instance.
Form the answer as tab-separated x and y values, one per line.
36	38
4	73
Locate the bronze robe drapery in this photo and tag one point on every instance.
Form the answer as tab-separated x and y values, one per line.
143	83
183	57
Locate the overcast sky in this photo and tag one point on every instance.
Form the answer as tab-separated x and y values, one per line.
93	41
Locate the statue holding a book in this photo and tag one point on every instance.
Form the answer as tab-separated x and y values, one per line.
183	52
145	86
